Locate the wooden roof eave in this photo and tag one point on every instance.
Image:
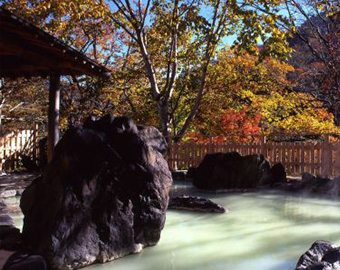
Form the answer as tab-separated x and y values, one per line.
45	53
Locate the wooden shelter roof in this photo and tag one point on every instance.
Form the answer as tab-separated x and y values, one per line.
26	50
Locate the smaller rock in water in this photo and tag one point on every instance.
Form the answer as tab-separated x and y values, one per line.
24	261
191	172
193	203
10	238
179	175
278	174
322	255
8	193
315	184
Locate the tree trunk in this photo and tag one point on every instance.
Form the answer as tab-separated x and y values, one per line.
150	72
163	110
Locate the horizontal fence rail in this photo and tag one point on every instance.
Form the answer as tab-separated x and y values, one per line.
16	144
321	158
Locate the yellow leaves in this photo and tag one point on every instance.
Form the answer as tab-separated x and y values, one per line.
296	113
269	20
238	82
293	29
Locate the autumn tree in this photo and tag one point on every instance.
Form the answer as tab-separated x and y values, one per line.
172	20
172	44
316	45
245	97
23	103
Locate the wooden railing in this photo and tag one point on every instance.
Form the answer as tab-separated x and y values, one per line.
321	158
14	145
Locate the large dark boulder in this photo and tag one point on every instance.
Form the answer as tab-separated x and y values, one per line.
103	196
322	255
153	138
231	171
194	203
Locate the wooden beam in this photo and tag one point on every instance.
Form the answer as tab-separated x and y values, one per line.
53	115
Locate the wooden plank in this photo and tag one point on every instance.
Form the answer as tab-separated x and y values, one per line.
292	158
270	153
275	150
318	159
326	158
312	149
297	159
336	149
200	153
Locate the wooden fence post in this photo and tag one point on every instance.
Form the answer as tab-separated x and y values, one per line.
326	167
263	145
211	145
35	142
336	170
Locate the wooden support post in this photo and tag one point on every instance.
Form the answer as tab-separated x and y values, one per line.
53	115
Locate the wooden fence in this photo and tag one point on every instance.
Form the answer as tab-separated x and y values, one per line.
322	158
16	144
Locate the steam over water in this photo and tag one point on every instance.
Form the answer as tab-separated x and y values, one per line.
263	231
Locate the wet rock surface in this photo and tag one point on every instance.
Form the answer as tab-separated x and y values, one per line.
278	174
194	203
103	196
153	138
25	261
322	255
10	237
231	171
311	184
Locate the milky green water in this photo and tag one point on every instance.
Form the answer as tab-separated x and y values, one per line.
263	231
